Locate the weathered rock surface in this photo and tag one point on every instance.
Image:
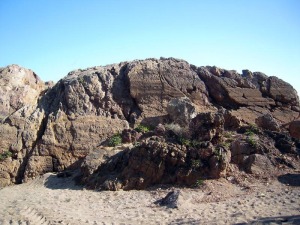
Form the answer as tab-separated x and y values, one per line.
155	161
208	126
267	122
153	83
19	87
254	92
181	110
295	129
46	127
171	200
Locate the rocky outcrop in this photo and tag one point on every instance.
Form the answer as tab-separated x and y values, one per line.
153	83
46	127
19	88
156	161
251	94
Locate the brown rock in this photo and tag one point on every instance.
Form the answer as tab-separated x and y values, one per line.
295	129
207	126
258	164
153	83
154	161
19	87
38	165
232	90
282	92
65	122
181	110
267	122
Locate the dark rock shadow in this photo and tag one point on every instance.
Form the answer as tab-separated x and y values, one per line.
64	180
274	220
290	179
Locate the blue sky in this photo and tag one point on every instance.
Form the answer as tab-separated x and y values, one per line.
54	37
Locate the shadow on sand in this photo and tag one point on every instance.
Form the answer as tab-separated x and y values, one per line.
275	220
290	179
62	181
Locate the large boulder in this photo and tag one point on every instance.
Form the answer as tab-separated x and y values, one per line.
267	122
181	110
207	126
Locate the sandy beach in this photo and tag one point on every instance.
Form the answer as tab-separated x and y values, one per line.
53	200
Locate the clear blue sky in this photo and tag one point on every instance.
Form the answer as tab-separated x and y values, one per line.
54	37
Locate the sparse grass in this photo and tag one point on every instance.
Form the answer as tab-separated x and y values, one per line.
218	152
199	183
115	140
228	134
5	155
185	141
196	163
188	142
250	132
143	128
81	80
252	129
178	130
250	140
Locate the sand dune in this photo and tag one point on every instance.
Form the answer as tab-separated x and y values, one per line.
53	200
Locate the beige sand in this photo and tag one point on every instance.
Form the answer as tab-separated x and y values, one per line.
52	200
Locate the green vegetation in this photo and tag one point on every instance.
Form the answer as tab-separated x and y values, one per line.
250	140
226	144
250	136
188	142
143	128
81	80
252	129
178	130
249	133
5	155
185	141
199	183
218	152
228	134
115	140
196	163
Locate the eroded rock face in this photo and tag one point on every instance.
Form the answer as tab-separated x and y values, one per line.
155	161
153	83
46	127
251	94
181	110
267	122
19	87
207	126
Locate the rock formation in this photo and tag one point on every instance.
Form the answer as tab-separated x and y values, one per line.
51	128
